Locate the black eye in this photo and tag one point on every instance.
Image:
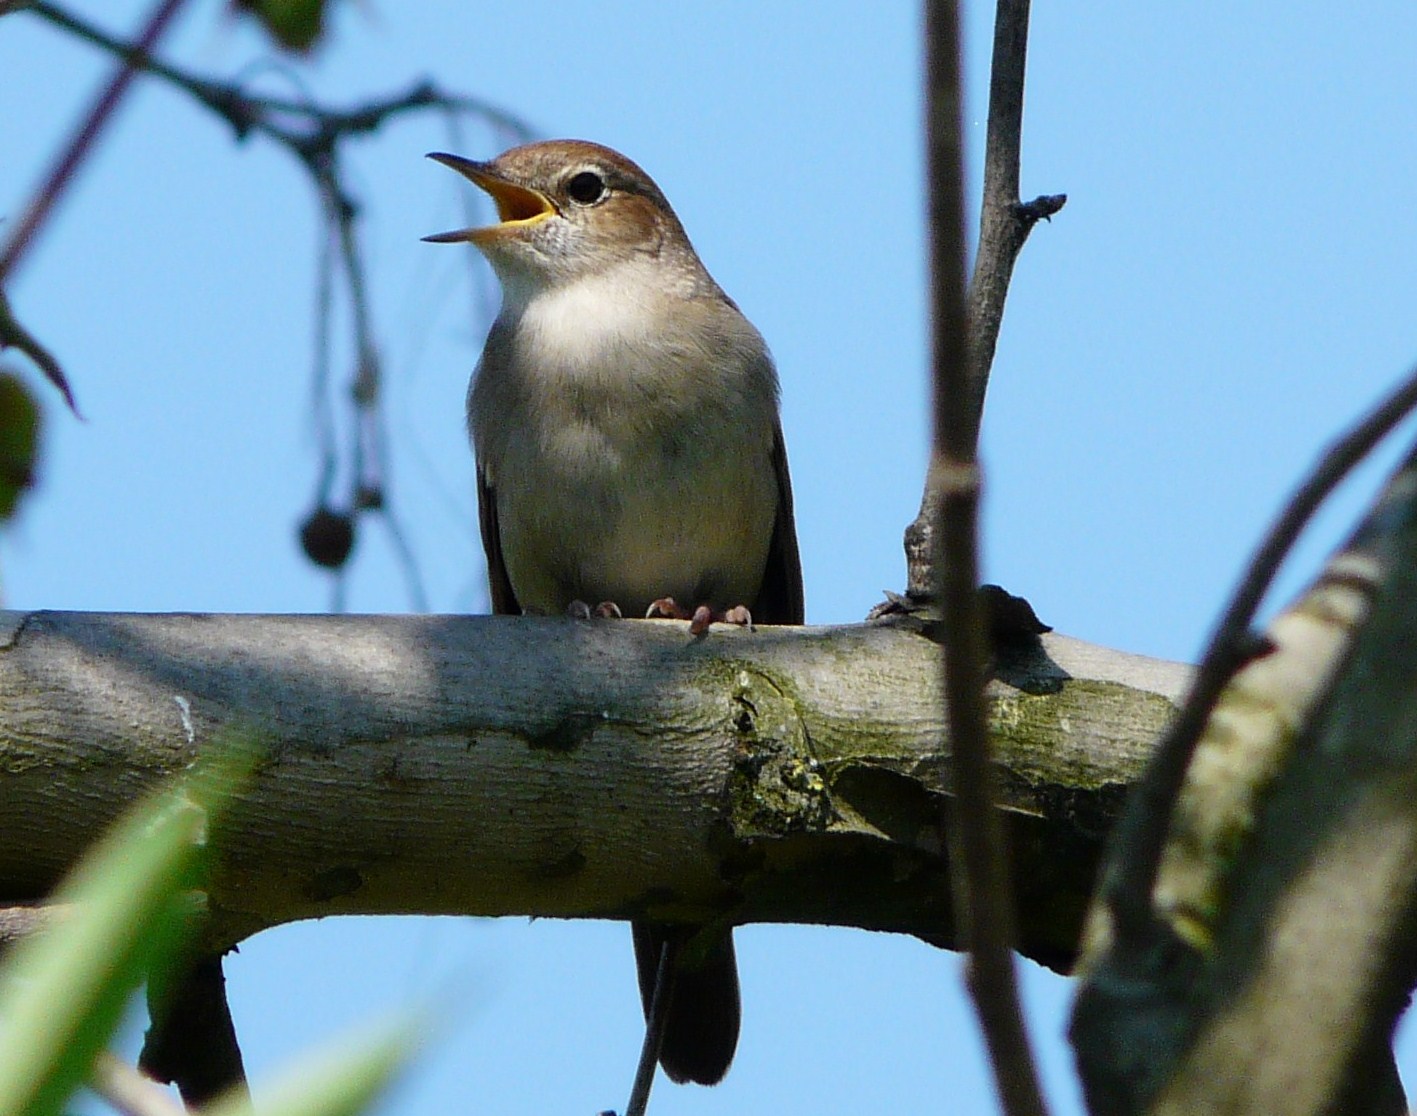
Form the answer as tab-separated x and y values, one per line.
587	188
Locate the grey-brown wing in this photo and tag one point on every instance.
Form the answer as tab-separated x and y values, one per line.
780	598
504	601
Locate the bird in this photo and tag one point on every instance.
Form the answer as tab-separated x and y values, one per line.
625	422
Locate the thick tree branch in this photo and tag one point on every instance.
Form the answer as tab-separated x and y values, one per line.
492	766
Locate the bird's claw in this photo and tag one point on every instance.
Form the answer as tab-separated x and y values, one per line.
666	608
701	617
605	610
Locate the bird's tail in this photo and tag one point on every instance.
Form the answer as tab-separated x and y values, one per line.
702	1017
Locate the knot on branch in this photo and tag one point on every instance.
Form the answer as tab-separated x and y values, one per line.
778	786
1040	208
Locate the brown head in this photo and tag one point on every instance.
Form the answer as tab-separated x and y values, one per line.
569	209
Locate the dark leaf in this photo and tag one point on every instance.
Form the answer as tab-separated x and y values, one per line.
14	335
19	441
295	24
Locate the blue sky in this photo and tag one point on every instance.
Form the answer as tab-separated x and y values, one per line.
1232	281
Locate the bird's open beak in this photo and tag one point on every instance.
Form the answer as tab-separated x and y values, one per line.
517	206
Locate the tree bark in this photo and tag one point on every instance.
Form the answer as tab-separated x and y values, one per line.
496	766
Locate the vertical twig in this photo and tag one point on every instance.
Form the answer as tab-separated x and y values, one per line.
1004	225
982	899
69	160
192	1040
1004	221
654	1033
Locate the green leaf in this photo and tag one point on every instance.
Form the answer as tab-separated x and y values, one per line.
295	24
340	1079
129	906
19	441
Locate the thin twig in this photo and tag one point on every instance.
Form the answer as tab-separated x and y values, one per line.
654	1033
1004	225
62	173
1004	221
14	334
403	554
313	133
246	111
367	392
320	372
978	868
1141	836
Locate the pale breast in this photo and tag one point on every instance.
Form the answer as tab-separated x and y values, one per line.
631	460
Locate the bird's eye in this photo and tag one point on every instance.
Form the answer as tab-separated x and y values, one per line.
587	188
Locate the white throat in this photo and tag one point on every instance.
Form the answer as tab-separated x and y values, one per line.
574	323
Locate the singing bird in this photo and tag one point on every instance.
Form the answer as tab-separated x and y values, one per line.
624	418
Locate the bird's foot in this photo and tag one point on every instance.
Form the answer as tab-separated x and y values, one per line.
701	617
605	610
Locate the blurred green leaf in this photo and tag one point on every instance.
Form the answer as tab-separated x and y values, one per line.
63	991
340	1079
19	441
295	24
